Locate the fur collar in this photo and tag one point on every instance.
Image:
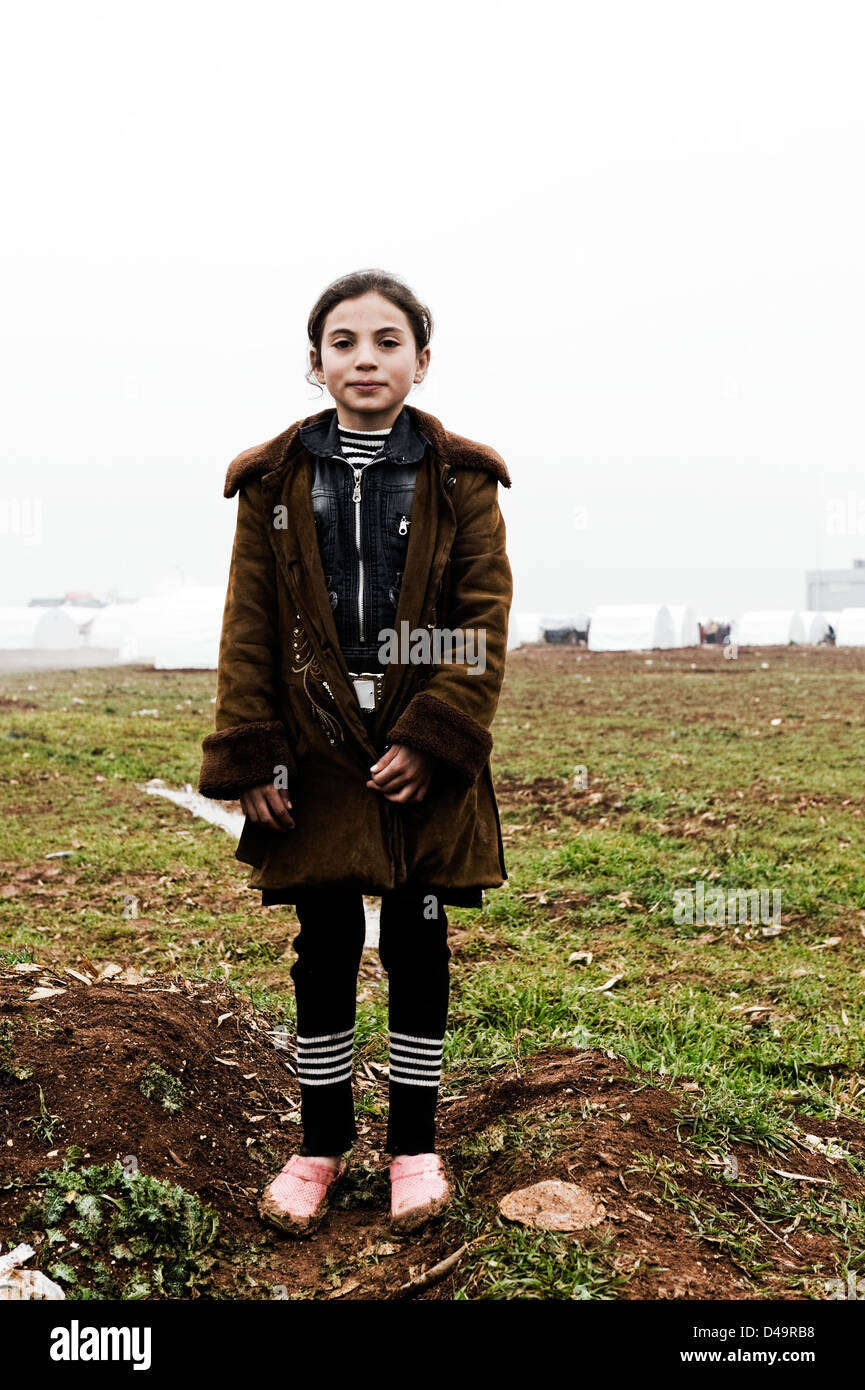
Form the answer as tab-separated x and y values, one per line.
453	450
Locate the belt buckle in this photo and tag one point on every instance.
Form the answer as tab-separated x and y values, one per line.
367	685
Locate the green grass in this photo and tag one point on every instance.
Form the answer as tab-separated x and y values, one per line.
527	1264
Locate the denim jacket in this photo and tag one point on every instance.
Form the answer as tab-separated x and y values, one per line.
363	522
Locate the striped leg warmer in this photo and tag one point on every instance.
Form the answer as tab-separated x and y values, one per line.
326	1059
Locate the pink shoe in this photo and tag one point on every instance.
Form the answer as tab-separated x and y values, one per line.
420	1187
297	1199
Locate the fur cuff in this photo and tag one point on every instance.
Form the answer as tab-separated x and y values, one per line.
433	726
242	757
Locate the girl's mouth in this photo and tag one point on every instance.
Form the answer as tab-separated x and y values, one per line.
366	385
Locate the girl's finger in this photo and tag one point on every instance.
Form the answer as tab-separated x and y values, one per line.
274	799
400	766
409	792
262	813
391	781
263	817
386	759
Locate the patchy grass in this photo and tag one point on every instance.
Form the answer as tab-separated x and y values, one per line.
750	1031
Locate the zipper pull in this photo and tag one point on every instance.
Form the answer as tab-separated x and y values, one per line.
404	524
355	496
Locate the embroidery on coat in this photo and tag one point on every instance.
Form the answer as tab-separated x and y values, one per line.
304	663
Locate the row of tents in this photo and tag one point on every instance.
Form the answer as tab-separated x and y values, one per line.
180	629
172	631
646	626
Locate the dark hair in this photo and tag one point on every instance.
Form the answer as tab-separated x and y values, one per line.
368	282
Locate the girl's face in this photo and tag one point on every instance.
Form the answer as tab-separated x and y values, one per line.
369	361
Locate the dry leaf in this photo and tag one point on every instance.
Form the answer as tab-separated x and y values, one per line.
381	1247
614	980
130	976
636	1210
796	1177
345	1288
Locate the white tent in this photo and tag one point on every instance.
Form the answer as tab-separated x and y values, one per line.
18	627
111	625
630	627
815	625
769	628
190	629
523	627
58	630
131	629
686	629
55	627
850	628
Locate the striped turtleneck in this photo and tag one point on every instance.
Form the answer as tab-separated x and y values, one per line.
361	446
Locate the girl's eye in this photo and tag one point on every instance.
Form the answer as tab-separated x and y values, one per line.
386	342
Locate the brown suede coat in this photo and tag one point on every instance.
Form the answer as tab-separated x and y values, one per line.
285	698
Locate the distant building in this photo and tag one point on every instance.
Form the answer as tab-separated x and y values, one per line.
831	590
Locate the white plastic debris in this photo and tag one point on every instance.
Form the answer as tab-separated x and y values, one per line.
17	1283
229	821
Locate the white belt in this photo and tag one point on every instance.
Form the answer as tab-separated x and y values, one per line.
367	685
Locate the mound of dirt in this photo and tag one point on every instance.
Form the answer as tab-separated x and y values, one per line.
187	1083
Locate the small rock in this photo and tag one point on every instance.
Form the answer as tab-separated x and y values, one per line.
553	1206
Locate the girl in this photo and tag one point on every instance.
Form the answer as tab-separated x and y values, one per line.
362	654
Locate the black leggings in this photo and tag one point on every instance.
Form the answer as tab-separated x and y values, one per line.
414	952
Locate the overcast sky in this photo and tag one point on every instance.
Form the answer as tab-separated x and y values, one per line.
639	228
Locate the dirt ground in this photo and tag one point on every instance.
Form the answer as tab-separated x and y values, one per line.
88	1047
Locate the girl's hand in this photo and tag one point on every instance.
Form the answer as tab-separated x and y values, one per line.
268	805
402	774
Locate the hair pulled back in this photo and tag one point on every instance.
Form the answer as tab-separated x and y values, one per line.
360	282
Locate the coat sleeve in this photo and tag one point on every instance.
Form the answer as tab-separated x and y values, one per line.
250	741
450	718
